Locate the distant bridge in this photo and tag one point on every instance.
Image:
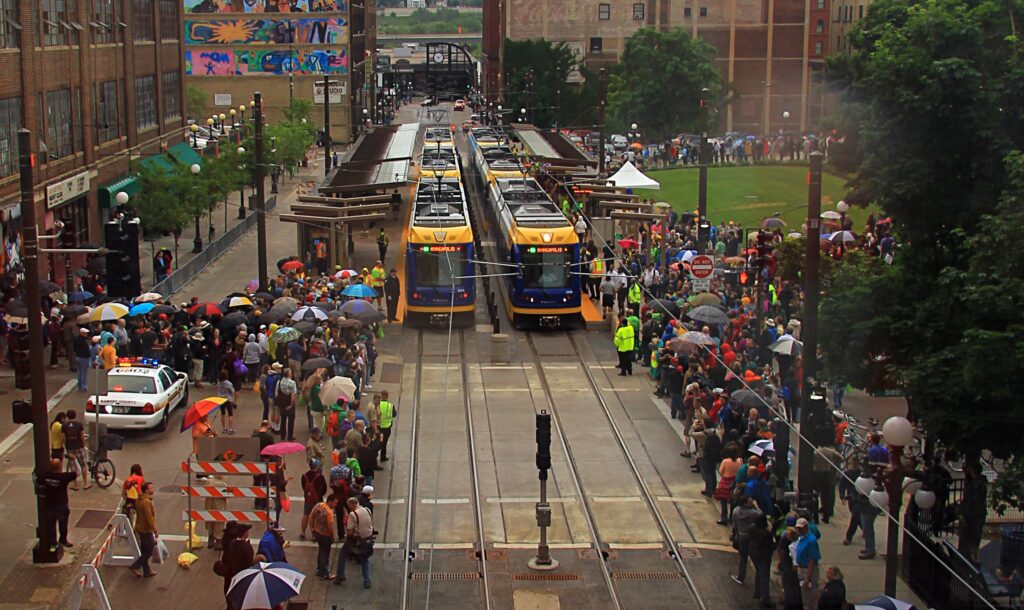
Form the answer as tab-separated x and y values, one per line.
398	39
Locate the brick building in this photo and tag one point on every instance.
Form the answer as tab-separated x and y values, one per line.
282	48
98	83
771	51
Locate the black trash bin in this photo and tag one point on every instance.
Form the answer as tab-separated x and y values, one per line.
1011	551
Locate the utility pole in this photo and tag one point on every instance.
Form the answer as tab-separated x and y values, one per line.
46	550
327	126
809	331
702	176
603	80
558	95
261	202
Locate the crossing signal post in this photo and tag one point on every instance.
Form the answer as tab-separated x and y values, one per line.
124	280
543	560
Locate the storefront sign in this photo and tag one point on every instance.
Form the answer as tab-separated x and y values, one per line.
337	91
64	191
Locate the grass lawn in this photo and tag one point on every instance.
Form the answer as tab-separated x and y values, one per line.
748	194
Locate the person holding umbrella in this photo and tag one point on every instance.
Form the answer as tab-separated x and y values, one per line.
202	427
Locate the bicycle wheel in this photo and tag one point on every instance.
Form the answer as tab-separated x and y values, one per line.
104	473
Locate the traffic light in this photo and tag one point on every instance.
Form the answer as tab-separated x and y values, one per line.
543	443
21	411
67	235
18	340
123	277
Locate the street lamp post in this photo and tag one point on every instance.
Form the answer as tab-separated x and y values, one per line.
241	200
261	204
195	134
197	243
522	115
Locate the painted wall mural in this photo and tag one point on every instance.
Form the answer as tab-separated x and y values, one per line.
266	31
306	61
264	6
210	63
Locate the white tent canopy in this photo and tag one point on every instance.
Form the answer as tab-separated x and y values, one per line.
629	177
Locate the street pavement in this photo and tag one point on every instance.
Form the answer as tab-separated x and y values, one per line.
502	400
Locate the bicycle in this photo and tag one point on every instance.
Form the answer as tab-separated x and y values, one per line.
96	463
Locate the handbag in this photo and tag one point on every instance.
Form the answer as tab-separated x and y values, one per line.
160	552
286	504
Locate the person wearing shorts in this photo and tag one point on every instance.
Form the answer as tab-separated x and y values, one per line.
226	390
607	289
74	446
57	438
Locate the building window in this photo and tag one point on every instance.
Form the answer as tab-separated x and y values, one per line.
76	124
75	214
59	124
169	26
596	45
57	22
9	26
604	12
145	102
687	13
108	121
817	48
104	21
638	11
703	11
10	123
142	19
860	12
171	95
821	5
819	28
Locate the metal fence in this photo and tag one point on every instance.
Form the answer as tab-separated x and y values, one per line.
942	520
926	566
187	272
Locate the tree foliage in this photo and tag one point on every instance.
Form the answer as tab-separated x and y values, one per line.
535	73
932	90
660	82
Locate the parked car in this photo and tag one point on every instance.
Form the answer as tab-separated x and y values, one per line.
141	394
459	105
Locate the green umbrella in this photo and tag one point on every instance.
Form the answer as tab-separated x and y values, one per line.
285	334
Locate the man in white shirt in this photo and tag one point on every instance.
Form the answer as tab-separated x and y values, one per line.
651	279
618	277
358	531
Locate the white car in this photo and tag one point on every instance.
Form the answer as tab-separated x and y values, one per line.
140	395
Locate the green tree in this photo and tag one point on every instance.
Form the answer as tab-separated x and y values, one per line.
195	101
660	84
932	90
535	73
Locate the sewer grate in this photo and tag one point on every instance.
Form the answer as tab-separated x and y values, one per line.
446	576
645	575
531	576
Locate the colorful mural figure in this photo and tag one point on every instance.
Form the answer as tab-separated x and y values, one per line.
209	63
313	61
264	6
242	31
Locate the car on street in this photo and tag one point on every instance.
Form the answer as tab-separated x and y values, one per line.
459	105
141	393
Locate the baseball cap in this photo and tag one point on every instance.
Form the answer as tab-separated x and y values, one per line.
801	522
368	489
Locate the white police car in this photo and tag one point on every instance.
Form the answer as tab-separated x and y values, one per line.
140	395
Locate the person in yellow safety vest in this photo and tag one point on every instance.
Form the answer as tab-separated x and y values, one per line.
633	296
377	277
624	340
388	413
596	273
774	295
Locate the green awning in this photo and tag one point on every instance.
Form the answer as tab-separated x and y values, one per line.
127	184
183	153
157	162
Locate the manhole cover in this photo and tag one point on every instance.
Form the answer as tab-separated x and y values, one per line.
95	519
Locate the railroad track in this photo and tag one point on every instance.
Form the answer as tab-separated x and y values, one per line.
613	577
418	485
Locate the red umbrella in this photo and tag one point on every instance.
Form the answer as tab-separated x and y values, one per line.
884	221
205	309
200	409
292	266
629	244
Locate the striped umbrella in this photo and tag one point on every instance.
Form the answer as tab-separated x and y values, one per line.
108	312
265	586
199	409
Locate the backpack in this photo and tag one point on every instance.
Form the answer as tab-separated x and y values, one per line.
333	425
341	472
309	488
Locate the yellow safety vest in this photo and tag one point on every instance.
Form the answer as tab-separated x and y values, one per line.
634	293
598	268
377	277
624	337
387	414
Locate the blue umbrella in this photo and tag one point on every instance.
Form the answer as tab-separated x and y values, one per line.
265	585
81	295
359	291
141	309
884	602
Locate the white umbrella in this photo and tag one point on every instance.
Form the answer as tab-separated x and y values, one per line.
786	345
846	236
764	446
302	312
108	312
831	215
239	302
884	602
149	297
795	234
335	387
265	585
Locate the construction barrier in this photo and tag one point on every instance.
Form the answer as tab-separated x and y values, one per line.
226	515
229	492
89	575
249	468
